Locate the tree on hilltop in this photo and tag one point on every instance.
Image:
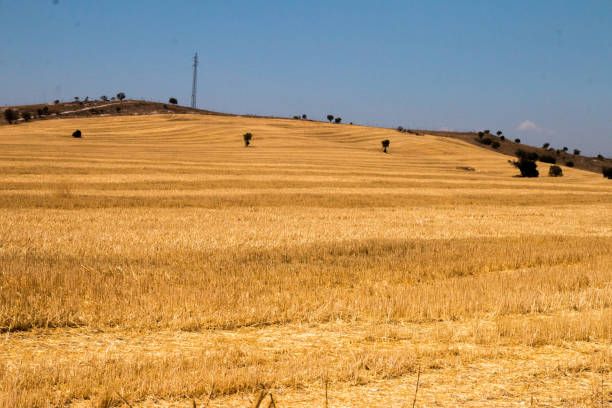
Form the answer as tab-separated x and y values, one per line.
330	118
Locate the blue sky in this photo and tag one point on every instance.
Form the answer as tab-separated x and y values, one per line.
538	70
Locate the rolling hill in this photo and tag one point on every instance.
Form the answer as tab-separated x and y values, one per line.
157	261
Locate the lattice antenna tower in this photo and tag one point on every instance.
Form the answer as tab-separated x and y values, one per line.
194	85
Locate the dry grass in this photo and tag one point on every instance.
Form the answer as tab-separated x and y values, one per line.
157	261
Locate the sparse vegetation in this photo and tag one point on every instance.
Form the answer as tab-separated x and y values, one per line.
555	171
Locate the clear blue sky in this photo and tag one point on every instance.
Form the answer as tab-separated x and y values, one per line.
538	70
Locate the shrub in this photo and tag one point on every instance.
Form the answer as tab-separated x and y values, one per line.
480	135
522	154
26	116
173	101
546	145
548	159
499	133
337	120
569	163
487	132
247	137
296	117
76	133
517	140
104	98
400	128
121	96
607	172
577	152
555	171
495	144
11	115
330	118
502	138
118	109
565	149
600	157
528	168
56	102
304	116
165	106
486	141
385	144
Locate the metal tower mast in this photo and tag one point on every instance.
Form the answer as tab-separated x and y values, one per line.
194	86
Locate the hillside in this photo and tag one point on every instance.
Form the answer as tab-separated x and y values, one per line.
157	261
82	109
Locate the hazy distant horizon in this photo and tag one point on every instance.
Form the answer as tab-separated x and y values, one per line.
537	71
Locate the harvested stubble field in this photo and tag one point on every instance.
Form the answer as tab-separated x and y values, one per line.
159	262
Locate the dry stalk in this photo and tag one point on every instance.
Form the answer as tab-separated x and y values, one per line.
417	387
259	398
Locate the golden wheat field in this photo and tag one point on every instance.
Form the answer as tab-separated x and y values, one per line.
159	262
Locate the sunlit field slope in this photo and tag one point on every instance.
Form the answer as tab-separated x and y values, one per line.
157	261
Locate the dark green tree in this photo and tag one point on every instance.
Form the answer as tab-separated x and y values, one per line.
247	137
11	115
385	145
